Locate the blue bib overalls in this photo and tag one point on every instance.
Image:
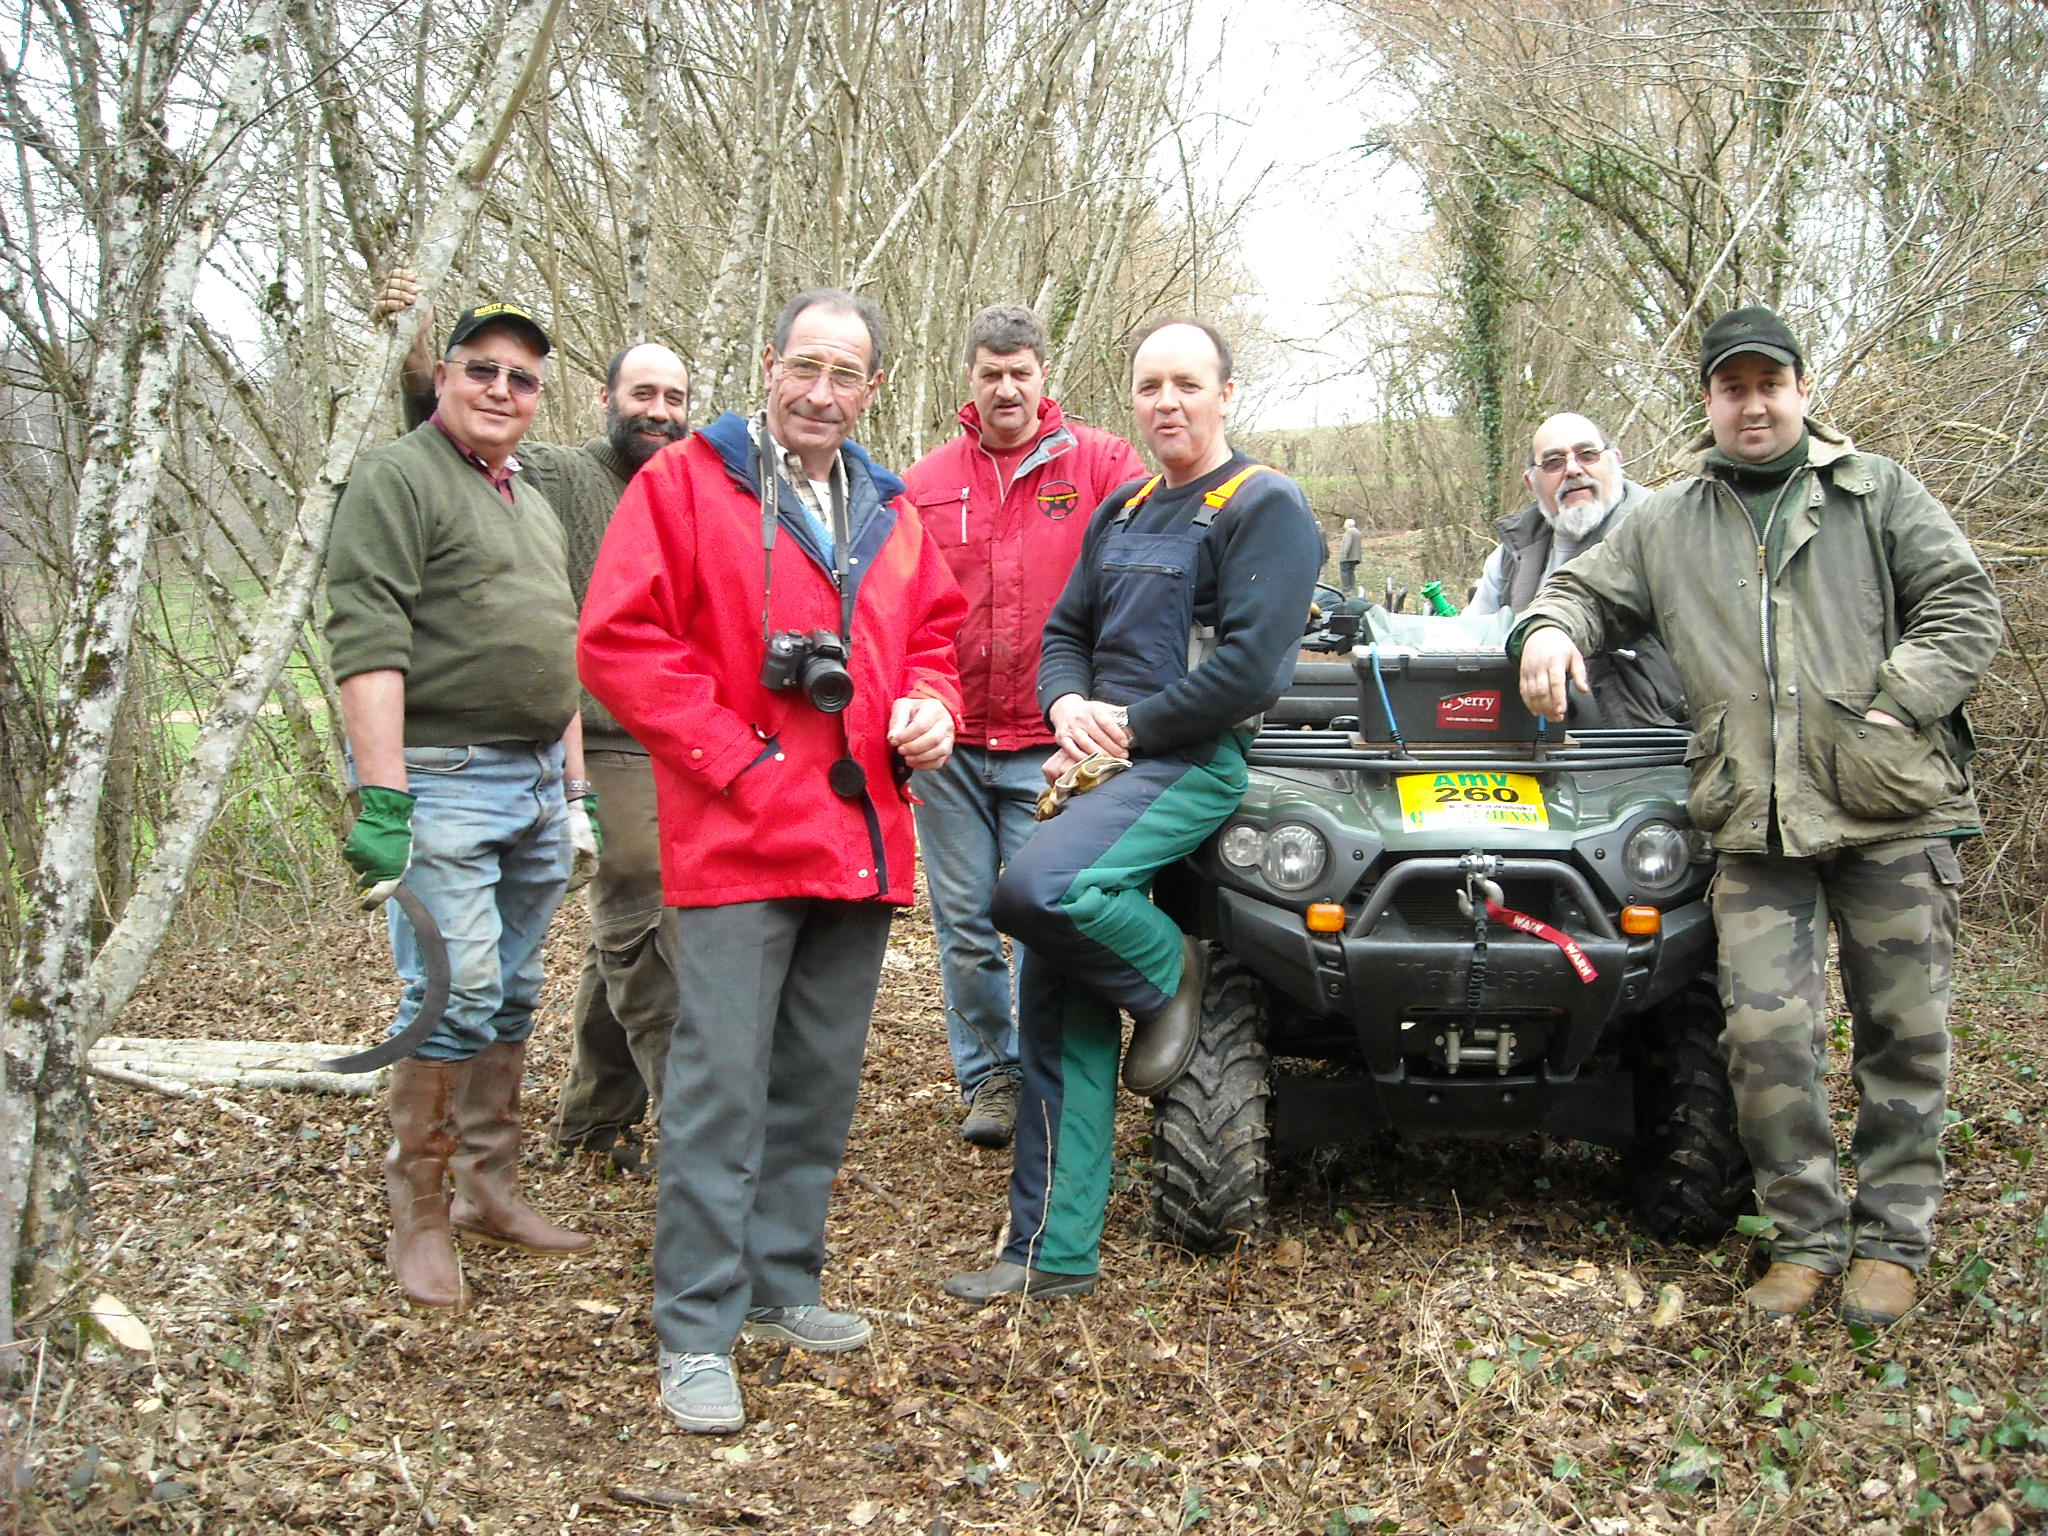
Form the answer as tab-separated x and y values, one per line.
1077	899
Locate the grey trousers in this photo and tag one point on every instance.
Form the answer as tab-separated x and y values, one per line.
763	1069
626	998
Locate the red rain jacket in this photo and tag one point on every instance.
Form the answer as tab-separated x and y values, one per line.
671	643
1011	555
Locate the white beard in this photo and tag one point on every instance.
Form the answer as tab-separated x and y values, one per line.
1581	518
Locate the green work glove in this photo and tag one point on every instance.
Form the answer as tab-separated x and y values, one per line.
586	840
379	845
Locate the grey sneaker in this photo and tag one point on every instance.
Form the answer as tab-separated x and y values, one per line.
700	1393
992	1112
812	1327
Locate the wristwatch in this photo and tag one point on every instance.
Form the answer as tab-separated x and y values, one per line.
1123	722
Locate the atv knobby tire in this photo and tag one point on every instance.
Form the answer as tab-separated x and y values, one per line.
1691	1178
1210	1128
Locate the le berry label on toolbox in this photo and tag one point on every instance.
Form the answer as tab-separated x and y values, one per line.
1472	799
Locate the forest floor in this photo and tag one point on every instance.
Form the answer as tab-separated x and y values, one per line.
1439	1338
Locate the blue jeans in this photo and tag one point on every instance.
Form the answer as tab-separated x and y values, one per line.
977	812
490	860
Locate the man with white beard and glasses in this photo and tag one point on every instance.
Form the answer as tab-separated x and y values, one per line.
626	996
1580	495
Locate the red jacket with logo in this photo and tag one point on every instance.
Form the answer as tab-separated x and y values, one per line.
671	643
1011	555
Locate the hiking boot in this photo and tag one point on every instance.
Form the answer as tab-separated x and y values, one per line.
700	1393
992	1112
1877	1293
1162	1046
1007	1279
812	1327
1786	1290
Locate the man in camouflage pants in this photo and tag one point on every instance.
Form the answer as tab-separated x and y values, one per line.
1828	619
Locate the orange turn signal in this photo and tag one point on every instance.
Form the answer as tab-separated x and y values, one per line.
1325	917
1641	922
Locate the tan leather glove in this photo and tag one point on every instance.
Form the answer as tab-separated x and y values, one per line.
1092	770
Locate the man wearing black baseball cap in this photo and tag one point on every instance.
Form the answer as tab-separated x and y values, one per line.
1828	619
452	633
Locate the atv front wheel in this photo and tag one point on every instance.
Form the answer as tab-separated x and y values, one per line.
1210	1128
1691	1178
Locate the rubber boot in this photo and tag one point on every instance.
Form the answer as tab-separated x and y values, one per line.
486	1163
422	1100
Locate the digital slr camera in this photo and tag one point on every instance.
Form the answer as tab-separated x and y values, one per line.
814	662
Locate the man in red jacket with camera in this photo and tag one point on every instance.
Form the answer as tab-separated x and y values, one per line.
769	618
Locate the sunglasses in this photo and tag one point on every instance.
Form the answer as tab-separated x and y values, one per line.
1586	454
518	380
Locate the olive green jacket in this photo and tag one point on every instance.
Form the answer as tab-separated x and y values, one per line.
1872	597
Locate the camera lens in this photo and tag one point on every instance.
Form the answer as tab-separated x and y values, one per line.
827	684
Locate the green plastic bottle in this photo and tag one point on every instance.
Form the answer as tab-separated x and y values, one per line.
1433	593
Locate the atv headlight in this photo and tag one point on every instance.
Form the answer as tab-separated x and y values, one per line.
1294	857
1241	845
1656	856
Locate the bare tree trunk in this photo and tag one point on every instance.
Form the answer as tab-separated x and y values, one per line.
59	1005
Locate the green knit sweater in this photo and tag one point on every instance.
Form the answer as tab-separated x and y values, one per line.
583	485
431	573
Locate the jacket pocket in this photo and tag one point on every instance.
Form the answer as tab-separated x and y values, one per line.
944	515
1710	798
1880	772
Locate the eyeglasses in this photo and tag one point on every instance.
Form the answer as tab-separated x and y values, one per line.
1587	455
518	380
808	370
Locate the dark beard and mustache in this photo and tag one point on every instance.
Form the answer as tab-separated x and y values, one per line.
623	433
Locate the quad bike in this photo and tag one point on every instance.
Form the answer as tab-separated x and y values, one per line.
1437	916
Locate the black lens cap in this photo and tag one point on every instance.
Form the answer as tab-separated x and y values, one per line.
848	779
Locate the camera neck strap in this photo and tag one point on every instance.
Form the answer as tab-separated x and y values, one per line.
768	460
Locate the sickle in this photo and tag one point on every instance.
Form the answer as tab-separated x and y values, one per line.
434	958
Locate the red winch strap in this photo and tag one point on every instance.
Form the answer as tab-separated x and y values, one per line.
1542	930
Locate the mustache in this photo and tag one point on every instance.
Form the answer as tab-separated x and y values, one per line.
667	427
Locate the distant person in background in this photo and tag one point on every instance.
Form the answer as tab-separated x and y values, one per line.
1350	546
1578	496
1007	501
625	1001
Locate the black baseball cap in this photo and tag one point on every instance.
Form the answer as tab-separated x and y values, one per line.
502	314
1749	329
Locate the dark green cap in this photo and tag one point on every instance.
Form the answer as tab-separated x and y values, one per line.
1749	329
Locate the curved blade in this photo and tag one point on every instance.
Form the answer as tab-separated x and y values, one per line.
434	957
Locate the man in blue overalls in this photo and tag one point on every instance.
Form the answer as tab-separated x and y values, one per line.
1180	623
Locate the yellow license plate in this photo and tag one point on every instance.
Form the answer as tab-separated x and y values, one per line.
1432	801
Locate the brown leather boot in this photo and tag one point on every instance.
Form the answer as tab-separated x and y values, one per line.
421	1252
1786	1290
486	1164
1877	1293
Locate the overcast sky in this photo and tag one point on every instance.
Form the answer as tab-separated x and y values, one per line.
1286	124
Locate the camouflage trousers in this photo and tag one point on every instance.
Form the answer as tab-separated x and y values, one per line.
1894	910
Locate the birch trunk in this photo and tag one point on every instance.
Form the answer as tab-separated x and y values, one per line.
64	997
43	1111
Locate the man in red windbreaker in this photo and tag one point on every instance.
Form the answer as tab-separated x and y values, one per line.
769	618
1007	500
